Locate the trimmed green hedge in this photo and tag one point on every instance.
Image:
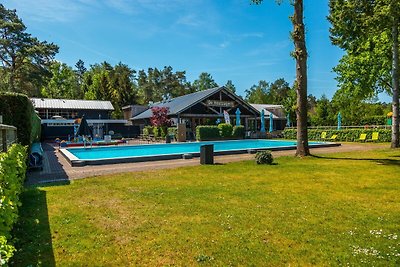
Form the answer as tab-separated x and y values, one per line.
238	131
12	176
207	132
17	110
348	135
222	131
225	130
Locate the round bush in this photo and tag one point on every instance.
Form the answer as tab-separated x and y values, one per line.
264	157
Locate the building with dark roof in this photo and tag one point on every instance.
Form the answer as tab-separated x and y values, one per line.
58	117
204	107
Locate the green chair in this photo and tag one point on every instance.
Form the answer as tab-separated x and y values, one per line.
363	137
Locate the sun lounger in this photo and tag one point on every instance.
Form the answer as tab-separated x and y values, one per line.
375	137
363	137
323	135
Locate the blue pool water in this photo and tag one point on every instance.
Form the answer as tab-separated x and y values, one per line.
116	152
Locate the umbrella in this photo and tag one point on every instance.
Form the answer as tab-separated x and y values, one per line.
238	117
339	121
271	122
84	129
288	120
262	122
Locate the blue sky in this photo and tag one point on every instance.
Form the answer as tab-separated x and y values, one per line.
230	39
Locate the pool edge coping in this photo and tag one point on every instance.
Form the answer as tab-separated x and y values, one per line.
76	162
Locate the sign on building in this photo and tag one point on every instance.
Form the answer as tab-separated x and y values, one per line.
220	103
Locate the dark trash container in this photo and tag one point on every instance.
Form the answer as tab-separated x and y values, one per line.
167	139
207	154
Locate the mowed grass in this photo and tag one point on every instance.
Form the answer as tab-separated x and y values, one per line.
336	209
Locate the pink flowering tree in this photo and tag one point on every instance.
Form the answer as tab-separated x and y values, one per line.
160	117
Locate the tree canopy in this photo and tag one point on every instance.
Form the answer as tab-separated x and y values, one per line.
204	82
368	32
24	58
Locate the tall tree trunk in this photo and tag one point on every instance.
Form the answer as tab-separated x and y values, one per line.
395	83
300	55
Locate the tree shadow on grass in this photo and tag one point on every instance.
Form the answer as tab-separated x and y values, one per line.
32	234
392	162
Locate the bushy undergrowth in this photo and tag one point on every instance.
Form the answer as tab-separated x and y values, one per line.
12	176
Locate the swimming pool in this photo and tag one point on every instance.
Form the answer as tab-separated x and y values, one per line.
137	153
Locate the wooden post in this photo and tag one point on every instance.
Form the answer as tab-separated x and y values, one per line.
4	139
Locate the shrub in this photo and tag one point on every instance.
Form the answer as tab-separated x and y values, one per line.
207	132
148	130
173	132
225	130
12	176
160	132
348	135
17	110
238	131
264	157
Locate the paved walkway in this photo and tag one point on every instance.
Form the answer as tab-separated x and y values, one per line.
56	168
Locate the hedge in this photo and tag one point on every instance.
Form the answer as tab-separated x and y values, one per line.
12	176
207	132
349	135
17	110
238	131
225	130
222	131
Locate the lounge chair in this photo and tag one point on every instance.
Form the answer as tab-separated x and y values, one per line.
333	137
375	137
323	135
363	137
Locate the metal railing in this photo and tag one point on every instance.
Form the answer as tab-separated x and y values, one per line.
8	136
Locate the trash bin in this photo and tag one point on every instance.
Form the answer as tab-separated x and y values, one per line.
207	154
167	139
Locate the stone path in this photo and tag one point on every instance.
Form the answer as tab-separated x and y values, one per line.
57	169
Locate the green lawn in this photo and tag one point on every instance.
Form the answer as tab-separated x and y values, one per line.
331	210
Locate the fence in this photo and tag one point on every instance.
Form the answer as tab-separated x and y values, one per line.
8	136
346	127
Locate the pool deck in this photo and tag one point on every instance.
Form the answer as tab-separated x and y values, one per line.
57	169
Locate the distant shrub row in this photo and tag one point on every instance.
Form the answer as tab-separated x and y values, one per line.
160	132
12	176
17	110
222	131
348	135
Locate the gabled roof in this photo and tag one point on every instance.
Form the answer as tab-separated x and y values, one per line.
276	110
178	104
71	104
181	103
